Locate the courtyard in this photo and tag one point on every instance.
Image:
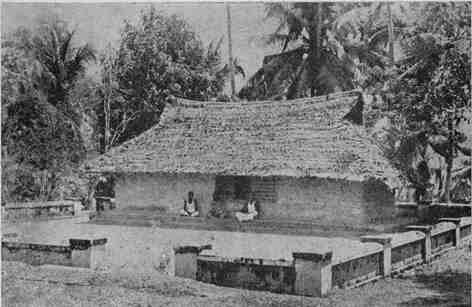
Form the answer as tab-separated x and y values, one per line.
441	283
149	250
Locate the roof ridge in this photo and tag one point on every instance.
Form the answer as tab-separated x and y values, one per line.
183	102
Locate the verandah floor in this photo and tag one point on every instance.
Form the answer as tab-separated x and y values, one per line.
283	226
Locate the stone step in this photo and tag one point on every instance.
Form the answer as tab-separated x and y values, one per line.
280	222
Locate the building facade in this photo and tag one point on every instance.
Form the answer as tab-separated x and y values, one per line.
304	159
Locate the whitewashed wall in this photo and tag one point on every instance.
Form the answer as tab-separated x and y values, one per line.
163	191
329	201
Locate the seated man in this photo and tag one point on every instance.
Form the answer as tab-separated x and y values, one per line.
249	212
104	194
190	206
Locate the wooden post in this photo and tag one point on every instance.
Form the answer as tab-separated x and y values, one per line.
313	273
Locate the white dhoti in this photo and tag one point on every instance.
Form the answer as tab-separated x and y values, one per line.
187	213
242	217
190	209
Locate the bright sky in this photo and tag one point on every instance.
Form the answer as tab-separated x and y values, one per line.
100	23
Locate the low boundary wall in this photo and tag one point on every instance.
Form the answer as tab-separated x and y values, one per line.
85	253
40	209
315	274
432	212
255	274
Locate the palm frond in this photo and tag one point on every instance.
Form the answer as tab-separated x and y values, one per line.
65	45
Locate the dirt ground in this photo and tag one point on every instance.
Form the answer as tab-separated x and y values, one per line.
142	249
446	282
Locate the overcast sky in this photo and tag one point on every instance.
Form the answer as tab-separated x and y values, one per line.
100	23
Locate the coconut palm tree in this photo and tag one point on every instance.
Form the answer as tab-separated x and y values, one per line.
60	61
325	47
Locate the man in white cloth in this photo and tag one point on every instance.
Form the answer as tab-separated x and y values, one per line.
249	212
190	206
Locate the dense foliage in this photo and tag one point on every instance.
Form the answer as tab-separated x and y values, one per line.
40	127
429	93
158	57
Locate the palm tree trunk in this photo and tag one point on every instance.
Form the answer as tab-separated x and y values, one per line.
390	34
449	160
107	121
230	52
107	106
315	48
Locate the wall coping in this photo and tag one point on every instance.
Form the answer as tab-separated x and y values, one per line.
461	221
40	204
312	256
456	221
193	249
381	239
442	227
422	228
241	260
413	204
82	244
406	205
37	247
407	237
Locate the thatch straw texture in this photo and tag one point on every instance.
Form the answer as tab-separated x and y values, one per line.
308	137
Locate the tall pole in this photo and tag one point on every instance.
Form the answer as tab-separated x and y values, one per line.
106	106
230	52
390	34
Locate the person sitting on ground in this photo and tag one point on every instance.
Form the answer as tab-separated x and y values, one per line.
249	212
190	206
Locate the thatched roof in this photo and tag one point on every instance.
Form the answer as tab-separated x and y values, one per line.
309	137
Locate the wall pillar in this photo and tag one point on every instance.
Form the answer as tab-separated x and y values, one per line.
457	222
313	273
185	260
77	208
386	242
427	240
87	253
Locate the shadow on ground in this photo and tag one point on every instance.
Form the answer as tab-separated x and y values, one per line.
449	288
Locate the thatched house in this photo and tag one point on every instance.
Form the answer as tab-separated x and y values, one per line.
303	159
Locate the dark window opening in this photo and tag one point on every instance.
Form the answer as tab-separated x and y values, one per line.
241	187
232	187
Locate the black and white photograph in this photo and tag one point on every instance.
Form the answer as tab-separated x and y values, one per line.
221	154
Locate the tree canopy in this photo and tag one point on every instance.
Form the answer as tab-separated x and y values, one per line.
158	57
